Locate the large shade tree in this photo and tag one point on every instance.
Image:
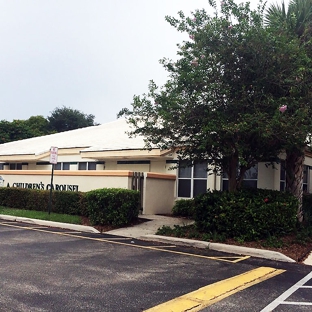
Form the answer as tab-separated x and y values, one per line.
61	119
295	21
223	95
22	129
66	118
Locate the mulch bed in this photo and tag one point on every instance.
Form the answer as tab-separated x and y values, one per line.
290	248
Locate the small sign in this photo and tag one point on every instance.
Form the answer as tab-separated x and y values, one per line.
1	181
53	155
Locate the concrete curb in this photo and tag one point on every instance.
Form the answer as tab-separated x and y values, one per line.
68	226
240	250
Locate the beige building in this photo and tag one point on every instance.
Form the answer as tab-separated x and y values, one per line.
104	156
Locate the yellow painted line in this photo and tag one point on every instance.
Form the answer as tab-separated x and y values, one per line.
36	227
121	243
208	295
69	232
231	259
173	246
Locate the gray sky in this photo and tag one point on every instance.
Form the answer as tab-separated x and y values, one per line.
90	55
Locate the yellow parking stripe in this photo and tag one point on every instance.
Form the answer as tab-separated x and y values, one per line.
107	240
208	295
234	259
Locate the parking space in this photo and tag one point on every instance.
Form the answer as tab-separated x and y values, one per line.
48	269
102	237
296	298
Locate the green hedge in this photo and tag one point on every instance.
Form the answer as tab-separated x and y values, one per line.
72	203
103	206
116	207
307	208
184	208
249	214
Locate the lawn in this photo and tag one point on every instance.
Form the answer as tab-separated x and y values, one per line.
42	215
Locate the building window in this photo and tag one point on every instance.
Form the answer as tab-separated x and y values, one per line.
91	166
250	179
15	166
62	166
82	166
192	180
87	166
305	185
1	166
65	166
283	176
58	166
305	179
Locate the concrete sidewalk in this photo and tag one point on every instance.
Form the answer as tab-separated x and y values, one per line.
150	227
146	231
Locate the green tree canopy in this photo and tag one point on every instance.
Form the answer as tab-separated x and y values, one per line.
66	118
61	119
23	129
221	101
295	126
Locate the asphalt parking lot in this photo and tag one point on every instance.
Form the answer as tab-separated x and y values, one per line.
48	269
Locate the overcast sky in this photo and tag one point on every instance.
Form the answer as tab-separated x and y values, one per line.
90	55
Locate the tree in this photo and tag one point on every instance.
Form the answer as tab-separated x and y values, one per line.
4	131
221	101
37	126
65	118
23	129
296	21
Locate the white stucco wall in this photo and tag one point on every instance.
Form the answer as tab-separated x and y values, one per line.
159	190
266	176
134	167
79	180
158	166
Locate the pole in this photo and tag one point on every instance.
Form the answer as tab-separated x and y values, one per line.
51	186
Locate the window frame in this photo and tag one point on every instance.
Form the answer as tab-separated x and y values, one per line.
88	165
190	177
15	166
225	178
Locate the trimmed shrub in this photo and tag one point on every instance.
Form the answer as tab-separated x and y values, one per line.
307	208
72	203
112	206
250	214
37	200
67	202
14	197
184	208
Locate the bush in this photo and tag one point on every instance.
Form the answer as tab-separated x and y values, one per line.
69	203
249	214
105	206
184	208
72	203
307	208
117	207
14	197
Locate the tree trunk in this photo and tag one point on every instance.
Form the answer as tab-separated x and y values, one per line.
294	177
232	173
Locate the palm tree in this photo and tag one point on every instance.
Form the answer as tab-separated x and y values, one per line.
296	20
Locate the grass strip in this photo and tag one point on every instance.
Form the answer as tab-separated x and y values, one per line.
42	215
